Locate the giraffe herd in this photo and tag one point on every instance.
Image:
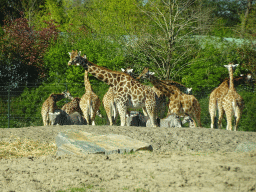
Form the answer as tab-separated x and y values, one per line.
125	92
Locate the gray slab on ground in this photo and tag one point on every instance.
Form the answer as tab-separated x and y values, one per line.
246	147
82	143
170	121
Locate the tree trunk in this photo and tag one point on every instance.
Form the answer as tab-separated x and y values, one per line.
243	24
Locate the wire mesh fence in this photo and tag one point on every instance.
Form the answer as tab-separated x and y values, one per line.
21	107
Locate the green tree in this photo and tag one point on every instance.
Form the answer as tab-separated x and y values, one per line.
113	17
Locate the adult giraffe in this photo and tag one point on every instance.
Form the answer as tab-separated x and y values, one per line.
179	102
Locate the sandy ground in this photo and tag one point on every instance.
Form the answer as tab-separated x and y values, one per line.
183	159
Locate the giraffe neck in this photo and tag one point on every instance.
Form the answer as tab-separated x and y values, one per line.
87	84
231	79
168	90
112	78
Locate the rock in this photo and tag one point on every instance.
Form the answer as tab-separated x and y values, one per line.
170	121
82	143
77	119
246	147
188	119
60	117
149	122
136	119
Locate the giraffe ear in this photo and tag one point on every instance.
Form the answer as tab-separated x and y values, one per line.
122	70
236	65
79	53
130	70
69	53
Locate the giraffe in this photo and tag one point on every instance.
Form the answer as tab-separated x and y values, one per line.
49	105
108	100
161	98
72	106
129	93
179	102
232	102
90	102
217	95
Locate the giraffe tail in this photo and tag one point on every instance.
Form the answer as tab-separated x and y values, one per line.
113	110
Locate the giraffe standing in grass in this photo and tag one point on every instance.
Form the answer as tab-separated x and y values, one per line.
129	93
179	102
217	95
49	105
232	102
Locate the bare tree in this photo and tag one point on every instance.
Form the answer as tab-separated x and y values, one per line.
166	38
246	14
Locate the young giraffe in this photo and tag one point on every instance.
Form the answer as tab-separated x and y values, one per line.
129	93
187	91
90	102
108	100
49	105
217	95
179	102
72	106
232	102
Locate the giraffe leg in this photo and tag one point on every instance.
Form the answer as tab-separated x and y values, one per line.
85	111
151	111
122	109
44	116
221	114
237	117
212	111
108	108
229	119
144	110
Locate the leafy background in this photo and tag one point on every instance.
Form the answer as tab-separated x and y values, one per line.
36	37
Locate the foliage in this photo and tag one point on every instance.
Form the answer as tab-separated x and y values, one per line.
206	70
22	51
115	18
247	122
247	56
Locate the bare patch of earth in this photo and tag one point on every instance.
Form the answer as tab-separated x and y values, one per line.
183	159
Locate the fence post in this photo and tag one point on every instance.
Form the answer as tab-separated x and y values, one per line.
9	105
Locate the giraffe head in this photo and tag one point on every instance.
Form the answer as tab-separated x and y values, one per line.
231	66
128	71
189	90
67	95
145	73
77	59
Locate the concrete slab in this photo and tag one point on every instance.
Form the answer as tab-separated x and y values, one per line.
82	143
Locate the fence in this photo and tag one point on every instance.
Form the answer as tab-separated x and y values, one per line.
21	107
